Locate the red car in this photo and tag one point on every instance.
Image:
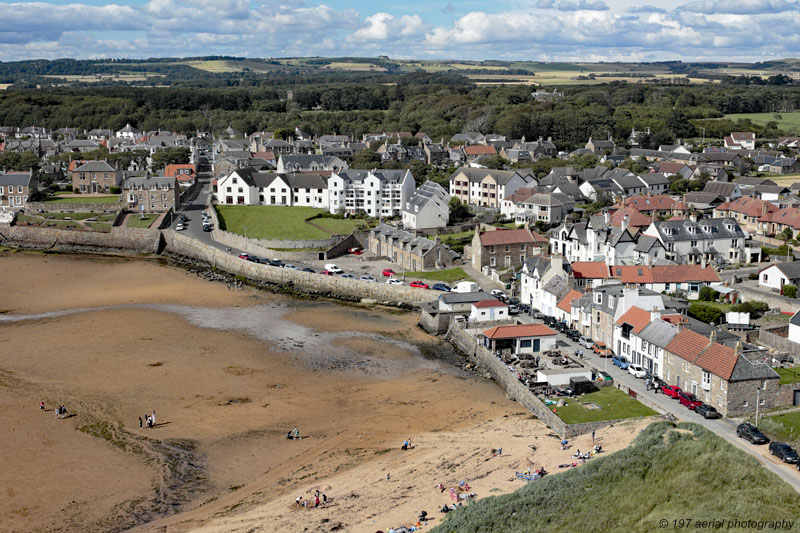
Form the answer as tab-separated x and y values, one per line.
356	251
388	272
689	400
673	391
327	273
419	285
243	255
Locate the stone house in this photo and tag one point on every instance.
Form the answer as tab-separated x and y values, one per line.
151	194
710	240
409	251
746	210
718	375
505	248
95	177
16	187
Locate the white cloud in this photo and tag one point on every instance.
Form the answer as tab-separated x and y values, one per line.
573	5
741	7
385	27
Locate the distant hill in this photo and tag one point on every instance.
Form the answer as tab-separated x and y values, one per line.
667	473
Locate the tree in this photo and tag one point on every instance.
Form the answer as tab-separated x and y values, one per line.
366	160
790	291
786	234
283	133
704	313
177	155
707	294
754	307
458	212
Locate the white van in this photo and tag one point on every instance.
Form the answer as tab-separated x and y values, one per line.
466	286
333	269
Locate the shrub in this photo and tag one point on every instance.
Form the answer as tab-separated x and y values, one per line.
707	294
752	275
790	291
754	308
704	313
115	190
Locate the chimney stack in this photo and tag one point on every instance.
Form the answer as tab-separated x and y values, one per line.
712	338
738	349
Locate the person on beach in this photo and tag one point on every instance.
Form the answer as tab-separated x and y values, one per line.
324	500
57	410
296	433
41	406
140	422
316	498
154	417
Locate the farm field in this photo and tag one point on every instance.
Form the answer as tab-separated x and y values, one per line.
787	121
355	67
225	65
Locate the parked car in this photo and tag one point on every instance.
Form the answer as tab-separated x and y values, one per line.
254	259
673	391
621	361
243	255
388	272
274	262
655	382
207	227
180	227
514	301
706	411
290	266
784	452
355	251
308	269
602	350
525	308
367	278
500	295
586	342
330	267
573	334
441	287
562	327
394	281
637	371
419	285
326	273
348	276
689	400
750	433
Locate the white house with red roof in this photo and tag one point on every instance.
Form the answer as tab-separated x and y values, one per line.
667	278
521	338
741	140
488	311
566	311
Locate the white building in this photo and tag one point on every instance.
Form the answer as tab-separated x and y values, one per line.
310	163
776	276
310	189
128	132
488	311
536	272
794	328
429	207
645	347
487	187
378	193
710	240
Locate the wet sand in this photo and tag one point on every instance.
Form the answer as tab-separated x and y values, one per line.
228	373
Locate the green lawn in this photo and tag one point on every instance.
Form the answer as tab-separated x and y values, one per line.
663	475
450	275
614	404
785	427
450	237
788	375
722	307
269	222
102	217
788	122
84	200
134	221
338	226
99	226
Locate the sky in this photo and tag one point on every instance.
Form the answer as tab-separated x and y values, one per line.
534	30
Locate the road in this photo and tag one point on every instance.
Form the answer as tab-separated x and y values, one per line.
724	427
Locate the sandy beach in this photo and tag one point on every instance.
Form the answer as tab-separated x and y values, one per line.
229	373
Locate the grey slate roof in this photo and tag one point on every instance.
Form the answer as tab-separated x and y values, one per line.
389	176
645	243
308	180
462	297
721	188
95	166
15	178
476	175
746	369
658	332
152	181
676	230
429	192
791	269
795	319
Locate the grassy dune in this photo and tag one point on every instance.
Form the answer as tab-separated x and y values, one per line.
667	473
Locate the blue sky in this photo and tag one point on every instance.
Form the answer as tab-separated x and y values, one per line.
542	30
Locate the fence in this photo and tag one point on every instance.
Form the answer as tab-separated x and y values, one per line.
771	338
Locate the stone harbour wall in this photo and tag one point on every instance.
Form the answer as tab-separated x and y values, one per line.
119	239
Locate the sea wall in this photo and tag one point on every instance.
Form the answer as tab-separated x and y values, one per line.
119	239
335	286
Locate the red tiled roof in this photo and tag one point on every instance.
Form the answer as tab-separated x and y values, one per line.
635	218
687	345
719	360
75	163
566	303
268	156
479	149
789	216
539	238
520	330
171	171
743	135
636	317
674	319
659	202
489	303
589	270
664	273
747	205
505	236
670	167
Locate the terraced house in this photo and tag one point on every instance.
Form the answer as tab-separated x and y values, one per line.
409	251
15	188
486	187
719	375
151	194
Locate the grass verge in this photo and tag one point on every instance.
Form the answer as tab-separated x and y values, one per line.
788	375
664	475
270	222
134	221
84	200
450	275
614	404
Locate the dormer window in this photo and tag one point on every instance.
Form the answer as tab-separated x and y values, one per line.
598	298
691	229
729	227
706	229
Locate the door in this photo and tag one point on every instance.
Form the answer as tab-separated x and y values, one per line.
94	187
536	346
694	388
796	398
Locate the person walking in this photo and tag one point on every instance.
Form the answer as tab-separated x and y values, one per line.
140	422
57	410
324	500
41	406
316	498
592	436
154	417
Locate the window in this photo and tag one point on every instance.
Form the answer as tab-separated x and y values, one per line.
763	384
694	244
686	366
19	189
492	261
721	385
707	379
667	375
744	403
735	243
761	402
508	247
525	343
765	278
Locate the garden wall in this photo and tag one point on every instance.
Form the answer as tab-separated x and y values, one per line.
772	338
773	300
51	207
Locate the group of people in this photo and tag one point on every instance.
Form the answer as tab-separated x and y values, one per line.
236	284
293	434
150	420
303	503
61	411
406	445
579	353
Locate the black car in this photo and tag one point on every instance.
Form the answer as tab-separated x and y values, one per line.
276	263
573	334
307	269
513	301
706	411
525	308
751	433
562	327
206	227
254	259
784	452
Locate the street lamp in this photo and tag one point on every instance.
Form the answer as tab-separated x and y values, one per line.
245	238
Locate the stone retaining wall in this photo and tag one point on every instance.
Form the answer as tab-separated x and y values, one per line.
88	207
352	289
774	301
119	239
773	340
